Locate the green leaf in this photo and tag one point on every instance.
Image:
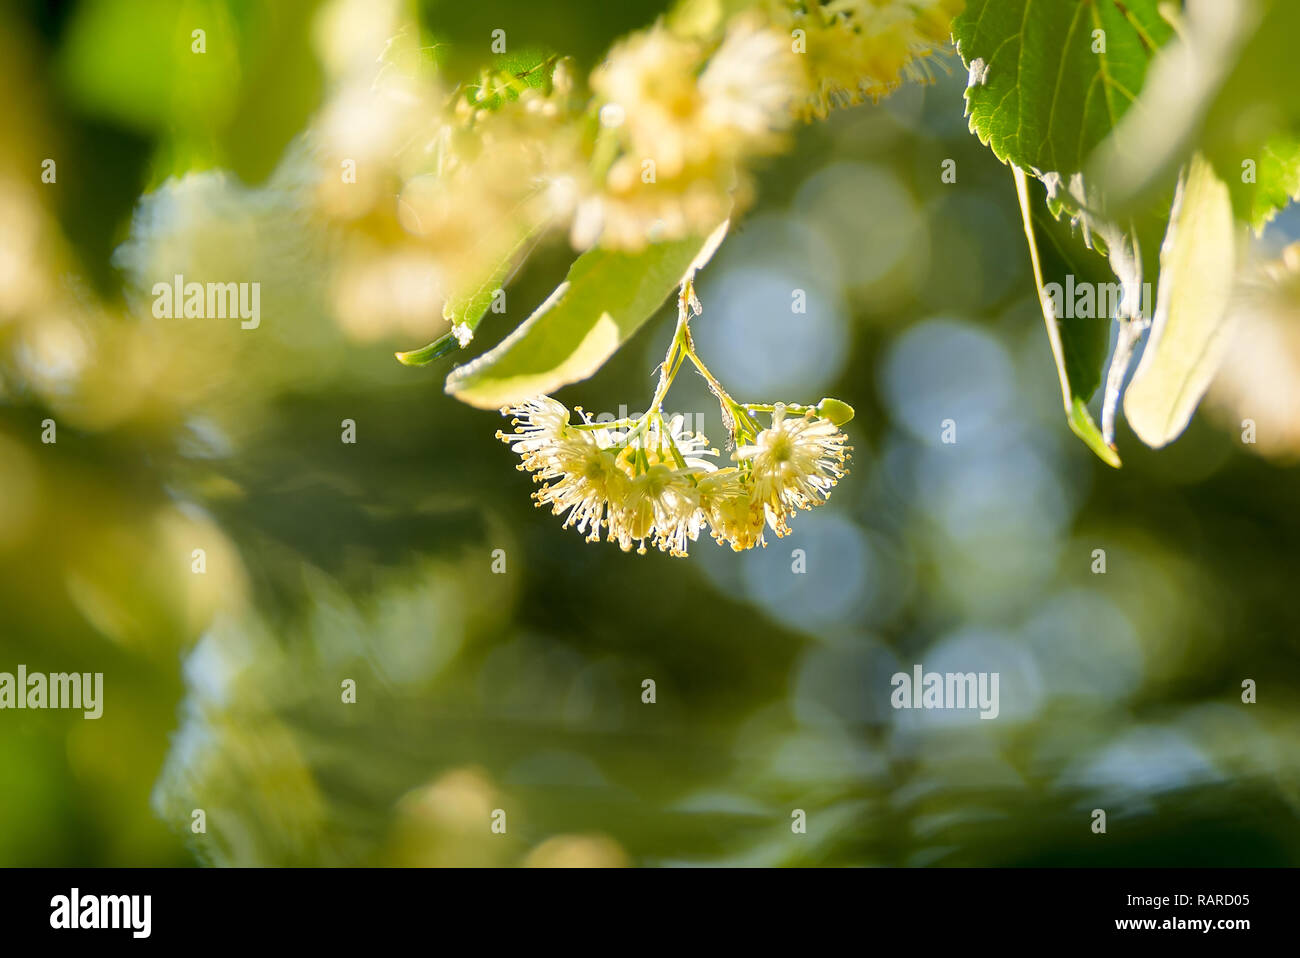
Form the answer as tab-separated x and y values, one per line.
433	351
1256	115
606	298
1078	345
1197	265
511	75
466	309
1224	88
1085	427
531	66
1277	181
1039	96
1064	259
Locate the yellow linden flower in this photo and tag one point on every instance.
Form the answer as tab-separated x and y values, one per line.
748	87
685	132
581	475
628	480
626	213
668	490
734	516
670	111
863	49
661	505
585	490
794	464
539	424
649	80
678	519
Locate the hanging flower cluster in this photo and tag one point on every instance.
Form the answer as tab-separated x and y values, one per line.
649	481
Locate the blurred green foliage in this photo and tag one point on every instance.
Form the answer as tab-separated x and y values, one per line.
523	691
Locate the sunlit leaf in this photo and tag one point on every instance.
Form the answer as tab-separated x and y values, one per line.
1224	88
1277	181
606	298
1197	263
1050	80
1078	345
465	309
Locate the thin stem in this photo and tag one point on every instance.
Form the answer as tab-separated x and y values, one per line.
738	418
626	423
793	407
681	339
739	415
712	380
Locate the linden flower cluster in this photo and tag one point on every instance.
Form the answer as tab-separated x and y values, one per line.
649	481
679	124
687	104
862	50
432	191
427	188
